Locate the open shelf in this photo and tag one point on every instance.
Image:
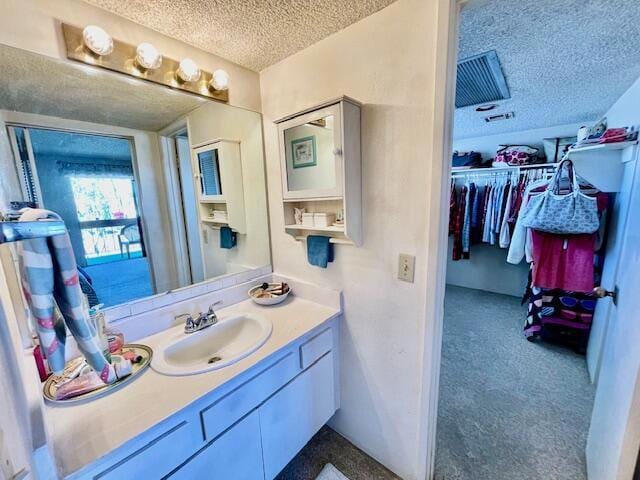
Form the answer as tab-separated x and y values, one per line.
322	199
212	220
339	241
602	164
602	147
316	229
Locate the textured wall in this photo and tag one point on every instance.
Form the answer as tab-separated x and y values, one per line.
387	61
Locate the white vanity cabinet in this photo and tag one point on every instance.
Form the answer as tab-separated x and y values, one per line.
320	162
287	423
247	430
236	454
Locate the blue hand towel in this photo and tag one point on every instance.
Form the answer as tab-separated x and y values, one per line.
319	250
227	238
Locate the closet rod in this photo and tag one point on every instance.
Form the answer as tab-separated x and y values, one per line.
502	170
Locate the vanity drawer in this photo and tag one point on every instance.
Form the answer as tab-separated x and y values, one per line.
219	416
158	457
315	348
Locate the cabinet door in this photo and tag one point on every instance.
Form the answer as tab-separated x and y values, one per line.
312	154
207	160
292	416
236	455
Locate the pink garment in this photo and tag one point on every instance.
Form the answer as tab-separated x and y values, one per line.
563	262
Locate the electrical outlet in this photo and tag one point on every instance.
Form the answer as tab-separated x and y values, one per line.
406	266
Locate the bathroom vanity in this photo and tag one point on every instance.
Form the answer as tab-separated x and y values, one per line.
246	420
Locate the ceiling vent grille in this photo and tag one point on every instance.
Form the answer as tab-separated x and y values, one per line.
480	80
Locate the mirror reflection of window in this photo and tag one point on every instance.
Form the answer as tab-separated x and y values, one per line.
89	181
210	173
310	157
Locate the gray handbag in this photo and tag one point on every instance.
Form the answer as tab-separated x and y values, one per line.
564	214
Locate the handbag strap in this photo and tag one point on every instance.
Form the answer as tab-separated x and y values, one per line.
554	182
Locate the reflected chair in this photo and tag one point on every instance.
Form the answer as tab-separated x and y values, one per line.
129	235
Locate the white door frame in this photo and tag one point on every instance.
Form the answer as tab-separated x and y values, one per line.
174	197
437	241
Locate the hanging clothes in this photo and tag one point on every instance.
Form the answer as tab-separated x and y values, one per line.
466	228
477	214
453	208
504	234
458	225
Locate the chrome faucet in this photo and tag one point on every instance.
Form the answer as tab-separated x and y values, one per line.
202	321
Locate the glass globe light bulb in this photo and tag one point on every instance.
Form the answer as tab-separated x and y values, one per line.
148	56
219	80
188	70
97	40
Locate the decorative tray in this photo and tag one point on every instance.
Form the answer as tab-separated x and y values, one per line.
50	386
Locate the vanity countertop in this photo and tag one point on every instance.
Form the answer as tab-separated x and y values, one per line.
82	433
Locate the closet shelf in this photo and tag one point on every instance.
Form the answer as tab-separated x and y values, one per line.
603	146
602	165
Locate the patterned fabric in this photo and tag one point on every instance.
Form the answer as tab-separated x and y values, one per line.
568	214
466	227
558	315
52	290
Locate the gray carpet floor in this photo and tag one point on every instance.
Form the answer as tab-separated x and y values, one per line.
508	409
327	446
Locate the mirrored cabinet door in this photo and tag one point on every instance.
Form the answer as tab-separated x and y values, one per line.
208	165
311	148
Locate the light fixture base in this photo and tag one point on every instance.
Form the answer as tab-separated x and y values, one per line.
122	60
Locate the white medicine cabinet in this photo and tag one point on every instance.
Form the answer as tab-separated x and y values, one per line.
320	162
218	181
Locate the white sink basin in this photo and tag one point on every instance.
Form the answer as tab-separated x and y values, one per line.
222	344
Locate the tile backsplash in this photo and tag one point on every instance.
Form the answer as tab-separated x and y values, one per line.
120	312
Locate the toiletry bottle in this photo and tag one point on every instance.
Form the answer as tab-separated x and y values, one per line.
97	318
41	364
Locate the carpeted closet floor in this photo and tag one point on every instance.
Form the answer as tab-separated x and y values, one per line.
508	409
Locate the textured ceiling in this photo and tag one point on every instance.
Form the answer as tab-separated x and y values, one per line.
252	33
34	83
565	61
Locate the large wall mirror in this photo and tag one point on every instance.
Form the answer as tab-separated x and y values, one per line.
159	189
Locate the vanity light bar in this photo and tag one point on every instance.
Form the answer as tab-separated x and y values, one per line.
130	60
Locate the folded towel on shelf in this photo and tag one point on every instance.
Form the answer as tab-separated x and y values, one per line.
228	237
52	289
319	250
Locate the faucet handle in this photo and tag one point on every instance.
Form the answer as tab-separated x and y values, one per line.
219	302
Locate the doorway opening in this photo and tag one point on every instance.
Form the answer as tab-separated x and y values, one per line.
531	354
89	181
186	218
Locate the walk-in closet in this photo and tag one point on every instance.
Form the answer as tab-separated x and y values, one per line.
542	183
